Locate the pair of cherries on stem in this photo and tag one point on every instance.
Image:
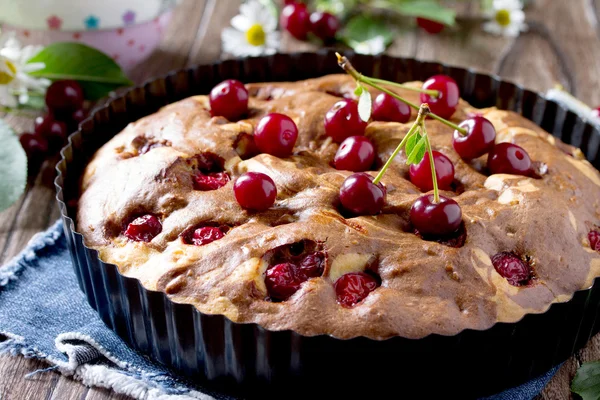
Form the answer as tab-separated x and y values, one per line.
430	214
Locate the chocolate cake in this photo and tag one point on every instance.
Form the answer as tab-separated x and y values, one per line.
173	173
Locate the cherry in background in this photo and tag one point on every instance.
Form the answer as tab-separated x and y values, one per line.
430	26
433	219
360	196
508	158
356	154
420	174
64	97
255	191
35	146
388	108
229	99
276	134
324	25
445	103
479	139
296	20
342	121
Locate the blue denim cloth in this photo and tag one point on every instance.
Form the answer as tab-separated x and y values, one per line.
43	314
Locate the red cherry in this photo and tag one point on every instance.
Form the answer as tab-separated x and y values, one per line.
281	281
77	117
42	124
479	139
276	134
324	25
255	191
144	228
594	238
361	196
435	219
356	153
296	20
445	103
342	121
206	235
311	266
64	96
354	287
420	174
210	181
35	146
388	108
430	26
229	99
508	158
596	112
513	268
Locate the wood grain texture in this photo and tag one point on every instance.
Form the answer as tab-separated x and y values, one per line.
561	46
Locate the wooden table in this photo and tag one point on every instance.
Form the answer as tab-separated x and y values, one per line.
562	46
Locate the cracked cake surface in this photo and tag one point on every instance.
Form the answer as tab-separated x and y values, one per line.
425	286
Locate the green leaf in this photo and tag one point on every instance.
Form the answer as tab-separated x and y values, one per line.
418	152
362	28
430	9
587	381
364	105
95	71
411	142
339	8
13	168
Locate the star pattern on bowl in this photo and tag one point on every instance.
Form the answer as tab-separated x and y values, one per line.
92	22
54	22
129	17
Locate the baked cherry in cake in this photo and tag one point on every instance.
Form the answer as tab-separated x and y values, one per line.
446	101
343	121
388	108
206	235
479	139
144	228
512	267
229	99
355	153
284	279
210	180
420	174
508	158
594	238
255	191
354	287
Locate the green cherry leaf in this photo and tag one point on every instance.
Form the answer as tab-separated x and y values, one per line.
13	168
364	105
97	73
430	9
587	381
362	28
411	142
418	151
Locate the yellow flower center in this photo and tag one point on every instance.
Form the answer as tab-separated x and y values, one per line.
256	35
503	17
5	77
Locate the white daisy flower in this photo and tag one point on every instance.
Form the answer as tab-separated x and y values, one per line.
15	81
507	18
253	31
570	102
374	45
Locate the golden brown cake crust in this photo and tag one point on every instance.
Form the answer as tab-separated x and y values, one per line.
427	287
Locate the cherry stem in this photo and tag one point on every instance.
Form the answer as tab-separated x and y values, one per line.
419	123
345	64
431	92
436	192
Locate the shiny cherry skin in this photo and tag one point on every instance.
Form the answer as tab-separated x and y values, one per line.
276	134
430	26
342	121
420	174
388	108
35	145
42	124
445	103
508	158
435	219
479	140
360	196
281	281
210	181
229	99
77	117
255	191
57	134
296	20
356	154
352	288
206	235
64	97
596	112
311	266
324	25
511	267
144	228
594	238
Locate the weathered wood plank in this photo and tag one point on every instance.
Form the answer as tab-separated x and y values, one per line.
14	385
